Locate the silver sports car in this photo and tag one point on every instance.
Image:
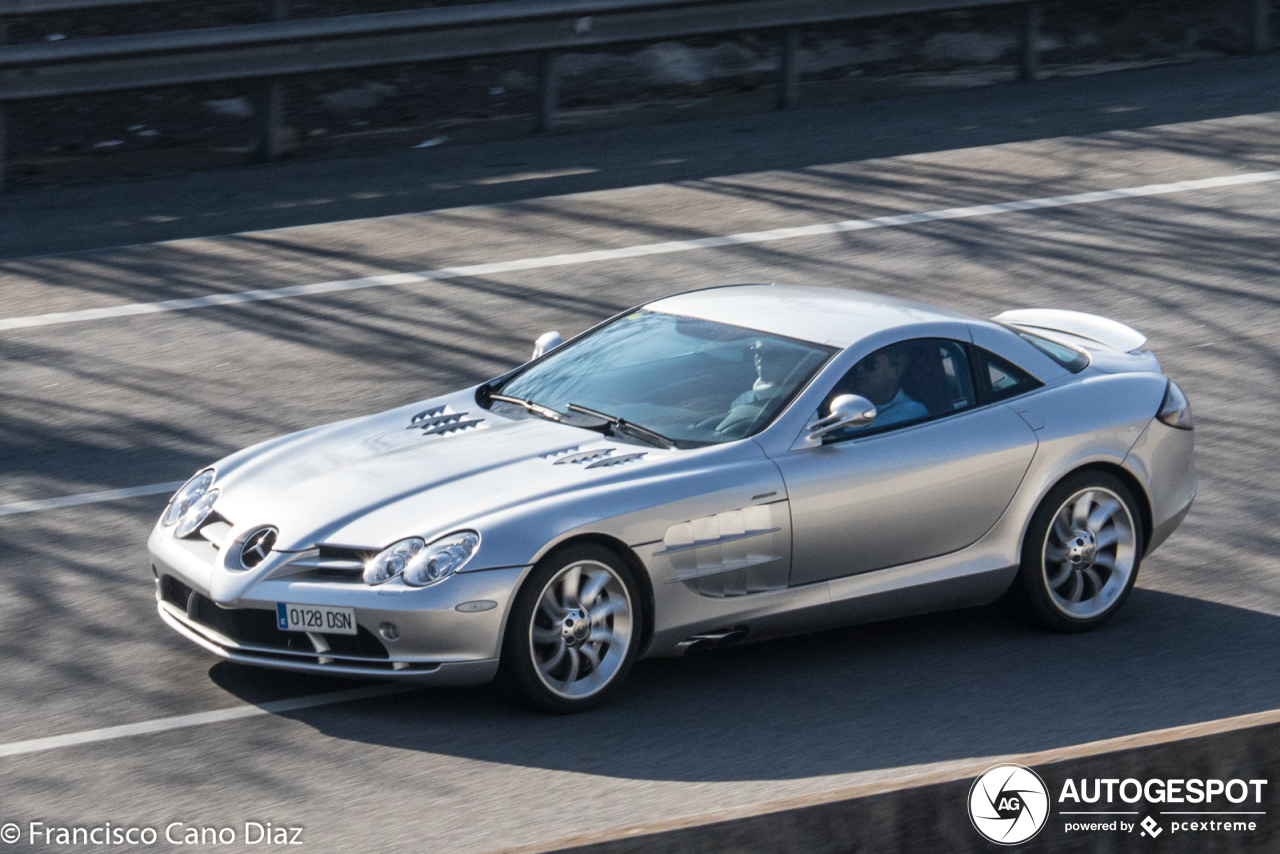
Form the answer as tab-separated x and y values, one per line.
727	464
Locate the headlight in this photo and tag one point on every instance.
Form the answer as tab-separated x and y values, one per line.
191	492
421	564
391	561
1175	409
441	559
195	516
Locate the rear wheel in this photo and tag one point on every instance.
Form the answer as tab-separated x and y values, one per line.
574	631
1081	555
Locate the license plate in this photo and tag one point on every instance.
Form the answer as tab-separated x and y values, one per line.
316	618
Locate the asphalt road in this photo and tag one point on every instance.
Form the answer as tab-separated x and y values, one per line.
128	401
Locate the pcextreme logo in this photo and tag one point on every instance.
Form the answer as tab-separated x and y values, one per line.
1009	804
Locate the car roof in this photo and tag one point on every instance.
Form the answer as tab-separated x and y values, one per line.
830	316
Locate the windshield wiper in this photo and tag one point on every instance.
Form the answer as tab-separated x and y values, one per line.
620	425
528	406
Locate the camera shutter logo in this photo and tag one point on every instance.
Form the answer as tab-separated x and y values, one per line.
1009	804
257	546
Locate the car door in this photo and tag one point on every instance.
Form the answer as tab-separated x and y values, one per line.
930	478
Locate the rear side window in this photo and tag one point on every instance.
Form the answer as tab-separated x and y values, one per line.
1073	359
1001	379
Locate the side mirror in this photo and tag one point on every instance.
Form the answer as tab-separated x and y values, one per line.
546	342
847	410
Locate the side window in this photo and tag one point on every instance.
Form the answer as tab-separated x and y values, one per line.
1002	379
909	382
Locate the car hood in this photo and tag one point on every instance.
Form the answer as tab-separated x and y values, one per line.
370	481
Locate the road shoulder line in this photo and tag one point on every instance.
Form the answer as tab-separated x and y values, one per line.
37	745
635	251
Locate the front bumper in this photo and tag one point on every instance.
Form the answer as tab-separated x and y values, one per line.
426	673
433	643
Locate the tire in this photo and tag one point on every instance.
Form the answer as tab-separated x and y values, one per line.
574	631
1081	555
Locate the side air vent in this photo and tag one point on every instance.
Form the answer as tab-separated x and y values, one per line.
734	553
443	420
551	455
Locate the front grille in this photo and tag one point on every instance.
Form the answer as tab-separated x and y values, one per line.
343	553
259	628
332	563
247	625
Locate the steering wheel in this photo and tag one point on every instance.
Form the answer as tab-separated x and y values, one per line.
739	421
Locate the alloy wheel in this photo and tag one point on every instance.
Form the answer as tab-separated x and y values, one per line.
581	629
1089	553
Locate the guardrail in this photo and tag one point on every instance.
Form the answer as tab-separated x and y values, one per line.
278	48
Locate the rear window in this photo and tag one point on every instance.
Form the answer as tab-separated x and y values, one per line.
1073	359
1003	379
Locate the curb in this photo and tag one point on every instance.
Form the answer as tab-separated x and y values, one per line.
926	810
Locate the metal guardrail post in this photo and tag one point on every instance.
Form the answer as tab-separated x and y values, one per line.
789	69
271	99
270	119
548	91
1029	68
1257	26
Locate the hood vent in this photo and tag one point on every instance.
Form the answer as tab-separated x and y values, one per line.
615	461
584	456
593	459
443	420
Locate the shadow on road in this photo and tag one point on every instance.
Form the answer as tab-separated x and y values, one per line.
927	689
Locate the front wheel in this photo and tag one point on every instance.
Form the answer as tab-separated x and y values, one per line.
574	631
1081	555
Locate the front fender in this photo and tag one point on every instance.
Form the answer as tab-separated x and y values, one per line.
636	508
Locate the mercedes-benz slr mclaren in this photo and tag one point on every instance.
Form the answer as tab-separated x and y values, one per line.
717	466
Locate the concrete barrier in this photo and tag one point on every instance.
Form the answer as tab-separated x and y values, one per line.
928	811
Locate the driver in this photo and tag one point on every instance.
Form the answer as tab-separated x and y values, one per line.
774	363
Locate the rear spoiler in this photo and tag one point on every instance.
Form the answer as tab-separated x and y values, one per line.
1091	329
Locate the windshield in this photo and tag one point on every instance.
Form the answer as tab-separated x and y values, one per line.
694	381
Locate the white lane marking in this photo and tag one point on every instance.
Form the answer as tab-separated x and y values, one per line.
36	745
637	251
88	498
